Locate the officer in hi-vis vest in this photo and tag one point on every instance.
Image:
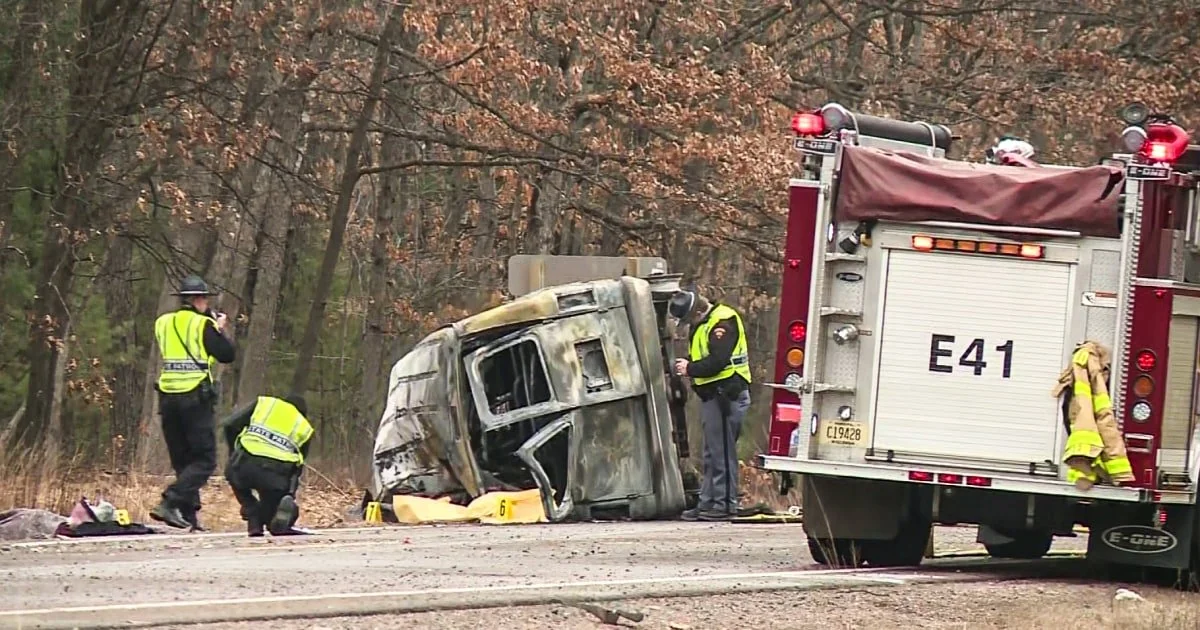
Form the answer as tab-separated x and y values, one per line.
191	341
719	368
268	440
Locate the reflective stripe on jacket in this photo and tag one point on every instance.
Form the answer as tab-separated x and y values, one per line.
185	362
277	430
1095	447
738	362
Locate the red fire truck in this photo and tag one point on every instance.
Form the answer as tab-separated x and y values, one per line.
928	308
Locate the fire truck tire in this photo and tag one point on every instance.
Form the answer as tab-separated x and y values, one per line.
1189	580
907	549
816	548
1027	545
847	553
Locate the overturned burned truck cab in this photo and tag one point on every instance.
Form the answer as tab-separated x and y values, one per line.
563	389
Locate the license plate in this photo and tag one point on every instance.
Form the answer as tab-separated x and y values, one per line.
839	433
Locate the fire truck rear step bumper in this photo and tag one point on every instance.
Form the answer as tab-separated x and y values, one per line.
1004	482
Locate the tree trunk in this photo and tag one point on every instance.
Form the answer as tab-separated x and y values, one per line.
486	226
255	358
127	373
234	249
103	36
350	174
151	452
241	229
391	202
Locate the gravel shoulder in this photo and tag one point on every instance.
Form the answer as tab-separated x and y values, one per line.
1017	605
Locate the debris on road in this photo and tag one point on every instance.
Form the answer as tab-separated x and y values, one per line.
101	519
28	524
611	616
763	514
1126	595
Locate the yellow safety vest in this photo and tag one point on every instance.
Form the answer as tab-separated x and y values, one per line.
185	362
739	362
277	430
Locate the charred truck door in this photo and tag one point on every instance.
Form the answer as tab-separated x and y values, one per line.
420	412
573	396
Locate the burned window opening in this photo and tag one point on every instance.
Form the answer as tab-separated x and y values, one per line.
514	377
497	452
576	300
596	377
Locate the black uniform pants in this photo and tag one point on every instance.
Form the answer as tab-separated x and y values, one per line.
270	479
188	426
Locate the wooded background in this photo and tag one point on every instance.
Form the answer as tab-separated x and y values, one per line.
351	173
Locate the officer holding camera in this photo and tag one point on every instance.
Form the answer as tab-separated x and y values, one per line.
191	341
718	366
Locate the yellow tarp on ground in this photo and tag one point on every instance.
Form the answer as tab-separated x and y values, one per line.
491	508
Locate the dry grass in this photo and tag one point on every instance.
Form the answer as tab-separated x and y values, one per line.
761	486
323	503
1179	612
1092	606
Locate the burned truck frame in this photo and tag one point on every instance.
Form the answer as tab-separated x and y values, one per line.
564	389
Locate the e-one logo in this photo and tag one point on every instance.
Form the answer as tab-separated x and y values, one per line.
1139	539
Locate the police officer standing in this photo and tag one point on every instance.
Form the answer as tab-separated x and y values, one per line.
191	341
268	440
719	368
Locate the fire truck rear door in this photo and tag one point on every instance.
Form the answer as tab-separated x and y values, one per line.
969	349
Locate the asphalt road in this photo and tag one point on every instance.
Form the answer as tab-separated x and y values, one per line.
220	577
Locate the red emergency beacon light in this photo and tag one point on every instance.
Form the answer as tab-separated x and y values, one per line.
1155	138
820	122
1157	142
808	124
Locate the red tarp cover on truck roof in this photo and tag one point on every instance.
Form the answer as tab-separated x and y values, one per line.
902	186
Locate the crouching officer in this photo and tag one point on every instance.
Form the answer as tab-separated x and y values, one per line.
268	440
191	340
720	371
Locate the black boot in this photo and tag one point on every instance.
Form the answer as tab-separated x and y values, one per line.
254	527
193	519
285	515
169	514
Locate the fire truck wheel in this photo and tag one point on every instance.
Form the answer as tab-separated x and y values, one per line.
1024	546
1189	580
907	549
816	549
847	553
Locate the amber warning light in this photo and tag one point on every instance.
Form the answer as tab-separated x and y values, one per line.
924	243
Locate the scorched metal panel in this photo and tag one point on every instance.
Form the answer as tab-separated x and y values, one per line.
970	349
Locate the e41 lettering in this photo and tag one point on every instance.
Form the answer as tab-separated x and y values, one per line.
941	355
